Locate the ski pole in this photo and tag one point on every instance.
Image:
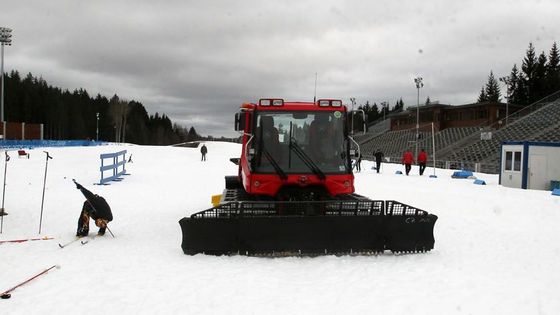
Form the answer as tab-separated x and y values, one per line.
4	191
108	229
6	294
44	184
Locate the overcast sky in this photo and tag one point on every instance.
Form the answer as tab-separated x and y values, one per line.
197	61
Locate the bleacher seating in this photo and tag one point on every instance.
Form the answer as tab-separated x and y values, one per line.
541	125
394	143
463	147
550	135
391	143
446	137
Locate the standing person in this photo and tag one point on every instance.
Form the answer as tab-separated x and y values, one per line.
407	160
422	159
94	207
378	158
359	162
203	151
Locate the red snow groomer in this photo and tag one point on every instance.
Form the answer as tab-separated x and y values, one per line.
294	192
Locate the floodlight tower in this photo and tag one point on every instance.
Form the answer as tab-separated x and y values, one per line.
507	81
353	101
419	85
5	39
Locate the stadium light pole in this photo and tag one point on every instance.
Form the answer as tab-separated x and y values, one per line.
419	85
97	128
5	39
507	82
353	101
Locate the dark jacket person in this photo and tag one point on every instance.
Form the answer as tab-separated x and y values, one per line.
203	151
378	158
94	207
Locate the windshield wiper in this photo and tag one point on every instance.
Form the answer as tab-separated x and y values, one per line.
275	165
306	159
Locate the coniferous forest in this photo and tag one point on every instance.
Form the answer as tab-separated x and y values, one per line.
69	115
538	77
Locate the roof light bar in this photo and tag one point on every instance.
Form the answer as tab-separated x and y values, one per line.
326	103
336	103
271	102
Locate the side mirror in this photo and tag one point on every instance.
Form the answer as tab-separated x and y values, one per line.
239	124
357	122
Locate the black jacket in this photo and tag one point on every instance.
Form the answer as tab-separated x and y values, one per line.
378	156
101	209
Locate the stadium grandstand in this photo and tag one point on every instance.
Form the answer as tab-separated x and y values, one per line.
464	136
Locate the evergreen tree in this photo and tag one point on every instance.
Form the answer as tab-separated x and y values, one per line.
528	68
492	89
137	130
517	89
192	135
374	112
553	70
482	96
399	106
540	85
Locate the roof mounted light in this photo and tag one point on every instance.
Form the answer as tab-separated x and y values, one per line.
271	102
6	36
327	103
323	103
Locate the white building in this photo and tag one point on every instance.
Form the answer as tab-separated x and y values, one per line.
530	165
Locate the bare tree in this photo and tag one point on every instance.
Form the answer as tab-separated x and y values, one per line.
118	110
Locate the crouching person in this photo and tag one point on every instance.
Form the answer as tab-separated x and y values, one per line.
96	208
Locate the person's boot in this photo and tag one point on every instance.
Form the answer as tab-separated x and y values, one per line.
101	231
82	233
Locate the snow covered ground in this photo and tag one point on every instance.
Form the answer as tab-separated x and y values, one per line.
497	249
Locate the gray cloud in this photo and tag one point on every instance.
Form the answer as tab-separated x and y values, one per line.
197	61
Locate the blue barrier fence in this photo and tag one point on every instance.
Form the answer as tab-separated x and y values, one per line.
117	162
17	144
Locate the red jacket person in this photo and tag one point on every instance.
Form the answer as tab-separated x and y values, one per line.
422	159
407	160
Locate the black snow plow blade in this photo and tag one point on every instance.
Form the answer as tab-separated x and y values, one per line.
308	228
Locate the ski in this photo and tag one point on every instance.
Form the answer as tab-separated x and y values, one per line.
69	242
90	238
6	294
83	240
46	238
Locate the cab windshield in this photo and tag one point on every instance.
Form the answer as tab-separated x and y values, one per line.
300	142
